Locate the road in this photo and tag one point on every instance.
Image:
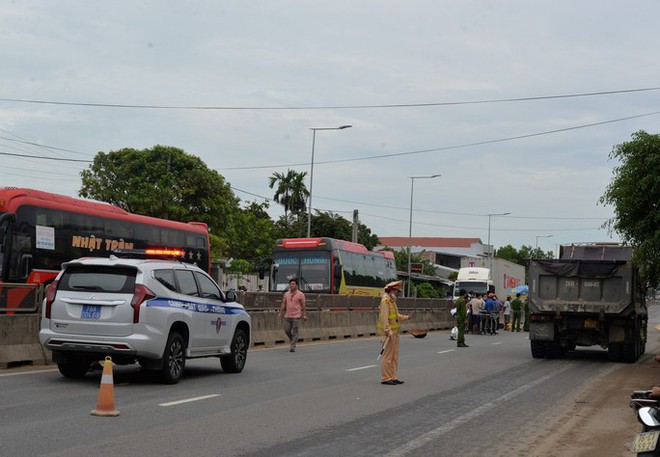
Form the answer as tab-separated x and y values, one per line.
325	399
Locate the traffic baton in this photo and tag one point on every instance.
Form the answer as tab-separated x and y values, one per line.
387	340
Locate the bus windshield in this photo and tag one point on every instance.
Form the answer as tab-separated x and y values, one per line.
310	268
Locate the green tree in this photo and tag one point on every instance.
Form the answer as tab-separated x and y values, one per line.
258	233
331	225
509	253
365	237
163	182
328	224
426	290
291	191
521	256
239	267
634	192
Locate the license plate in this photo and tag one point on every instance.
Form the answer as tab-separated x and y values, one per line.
645	442
91	312
590	323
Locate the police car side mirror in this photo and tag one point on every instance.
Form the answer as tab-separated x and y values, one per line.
230	296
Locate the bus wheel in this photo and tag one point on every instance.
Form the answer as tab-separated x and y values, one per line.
235	362
74	368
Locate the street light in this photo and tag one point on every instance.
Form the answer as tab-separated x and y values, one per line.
412	186
311	172
541	236
490	248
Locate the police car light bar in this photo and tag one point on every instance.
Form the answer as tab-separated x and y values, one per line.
150	253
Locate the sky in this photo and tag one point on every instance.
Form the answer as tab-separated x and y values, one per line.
516	104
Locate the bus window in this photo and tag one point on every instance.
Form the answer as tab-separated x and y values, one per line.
286	266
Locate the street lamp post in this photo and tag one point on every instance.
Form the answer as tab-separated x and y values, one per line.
490	248
412	186
541	236
311	172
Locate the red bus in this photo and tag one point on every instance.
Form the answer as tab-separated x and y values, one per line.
330	266
39	231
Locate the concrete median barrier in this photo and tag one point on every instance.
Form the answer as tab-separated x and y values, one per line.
329	317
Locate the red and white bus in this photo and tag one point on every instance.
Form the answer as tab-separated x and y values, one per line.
330	266
39	231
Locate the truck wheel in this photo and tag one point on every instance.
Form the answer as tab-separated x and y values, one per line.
538	349
629	352
553	350
235	362
614	352
174	359
74	368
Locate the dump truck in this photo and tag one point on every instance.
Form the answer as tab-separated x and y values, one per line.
590	296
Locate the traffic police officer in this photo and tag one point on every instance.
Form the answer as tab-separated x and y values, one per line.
461	315
388	328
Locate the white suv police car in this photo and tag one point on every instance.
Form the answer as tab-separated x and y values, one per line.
153	311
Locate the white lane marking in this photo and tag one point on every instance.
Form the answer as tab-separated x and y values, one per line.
22	373
434	434
448	350
188	400
494	344
362	368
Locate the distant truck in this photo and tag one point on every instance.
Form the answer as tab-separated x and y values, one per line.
476	275
591	295
473	280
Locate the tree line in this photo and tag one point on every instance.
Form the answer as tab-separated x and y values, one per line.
166	182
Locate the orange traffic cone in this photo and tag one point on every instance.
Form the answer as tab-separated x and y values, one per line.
105	405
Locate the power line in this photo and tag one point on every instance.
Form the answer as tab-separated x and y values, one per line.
31	143
328	107
57	159
436	212
458	146
482	228
460	214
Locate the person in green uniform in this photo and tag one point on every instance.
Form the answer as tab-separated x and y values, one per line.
461	315
516	307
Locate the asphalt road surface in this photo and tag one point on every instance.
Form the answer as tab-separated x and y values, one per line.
325	399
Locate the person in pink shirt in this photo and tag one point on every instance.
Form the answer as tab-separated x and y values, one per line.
293	308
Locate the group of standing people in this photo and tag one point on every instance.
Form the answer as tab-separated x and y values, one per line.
484	314
479	314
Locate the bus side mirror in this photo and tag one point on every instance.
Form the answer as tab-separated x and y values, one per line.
26	265
337	272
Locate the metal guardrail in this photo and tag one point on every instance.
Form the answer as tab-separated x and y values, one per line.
28	298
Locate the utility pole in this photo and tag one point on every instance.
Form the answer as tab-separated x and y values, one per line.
356	223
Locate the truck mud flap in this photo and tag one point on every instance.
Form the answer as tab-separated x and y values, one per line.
542	331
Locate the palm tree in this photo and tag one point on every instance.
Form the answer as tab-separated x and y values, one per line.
291	190
299	193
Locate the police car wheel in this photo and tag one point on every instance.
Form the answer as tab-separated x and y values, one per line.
74	368
174	359
235	362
